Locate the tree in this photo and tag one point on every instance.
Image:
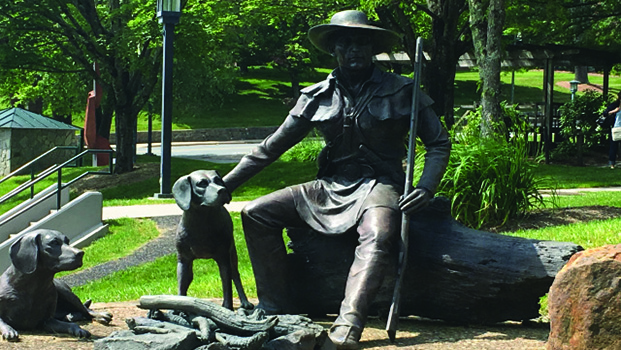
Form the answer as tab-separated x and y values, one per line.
486	24
44	92
123	36
204	69
443	23
68	37
275	32
588	24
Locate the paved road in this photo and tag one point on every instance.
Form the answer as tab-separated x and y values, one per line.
217	152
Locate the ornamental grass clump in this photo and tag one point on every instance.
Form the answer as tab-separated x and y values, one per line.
489	179
306	150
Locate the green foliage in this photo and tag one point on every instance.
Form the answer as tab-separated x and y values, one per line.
204	41
488	180
578	118
305	151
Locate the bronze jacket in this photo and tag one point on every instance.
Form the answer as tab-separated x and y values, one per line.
384	125
362	164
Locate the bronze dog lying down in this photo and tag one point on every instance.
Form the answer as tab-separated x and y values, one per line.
30	297
205	231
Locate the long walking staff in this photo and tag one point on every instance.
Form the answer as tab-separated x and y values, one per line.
393	316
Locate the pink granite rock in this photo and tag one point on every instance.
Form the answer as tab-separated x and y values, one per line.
584	302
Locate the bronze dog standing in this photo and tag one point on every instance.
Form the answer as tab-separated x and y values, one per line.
29	294
205	231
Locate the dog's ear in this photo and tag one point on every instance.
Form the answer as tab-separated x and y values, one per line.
24	252
182	191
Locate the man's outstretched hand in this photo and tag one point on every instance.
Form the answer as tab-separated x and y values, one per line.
416	200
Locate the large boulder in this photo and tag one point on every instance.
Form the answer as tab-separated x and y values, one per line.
584	303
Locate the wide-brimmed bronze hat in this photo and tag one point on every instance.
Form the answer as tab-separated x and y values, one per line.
321	35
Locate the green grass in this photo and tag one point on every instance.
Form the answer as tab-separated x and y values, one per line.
589	235
261	93
159	276
586	234
612	199
564	176
124	237
276	176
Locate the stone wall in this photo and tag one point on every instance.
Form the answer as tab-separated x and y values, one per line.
199	135
5	151
26	144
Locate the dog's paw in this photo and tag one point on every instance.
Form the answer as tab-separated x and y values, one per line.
247	305
8	333
103	317
76	331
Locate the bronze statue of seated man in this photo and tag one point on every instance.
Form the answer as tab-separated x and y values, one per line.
363	114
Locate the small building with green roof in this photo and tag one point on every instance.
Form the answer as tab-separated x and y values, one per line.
25	135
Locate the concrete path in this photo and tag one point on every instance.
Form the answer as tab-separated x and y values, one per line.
580	191
154	210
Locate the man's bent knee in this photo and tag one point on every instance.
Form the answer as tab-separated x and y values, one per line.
378	228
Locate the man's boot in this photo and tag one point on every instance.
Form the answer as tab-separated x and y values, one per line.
364	279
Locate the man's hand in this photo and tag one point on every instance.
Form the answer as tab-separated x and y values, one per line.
416	200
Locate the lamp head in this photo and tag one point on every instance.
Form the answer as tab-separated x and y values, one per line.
573	86
168	11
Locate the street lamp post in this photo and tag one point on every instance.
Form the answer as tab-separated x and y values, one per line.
573	87
168	13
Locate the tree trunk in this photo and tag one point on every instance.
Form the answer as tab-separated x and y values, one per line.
104	113
444	49
581	74
439	77
125	125
454	273
486	23
295	84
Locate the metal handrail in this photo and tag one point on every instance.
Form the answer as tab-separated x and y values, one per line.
18	170
59	187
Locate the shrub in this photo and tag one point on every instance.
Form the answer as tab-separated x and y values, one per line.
306	150
489	180
578	117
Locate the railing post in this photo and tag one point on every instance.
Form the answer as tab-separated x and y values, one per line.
59	188
80	147
31	187
111	153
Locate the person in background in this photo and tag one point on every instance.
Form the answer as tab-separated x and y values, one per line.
612	111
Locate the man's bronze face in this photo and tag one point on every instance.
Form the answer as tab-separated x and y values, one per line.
354	51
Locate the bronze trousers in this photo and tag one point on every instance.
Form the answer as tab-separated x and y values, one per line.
264	220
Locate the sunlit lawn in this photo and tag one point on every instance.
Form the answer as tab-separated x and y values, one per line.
159	276
262	91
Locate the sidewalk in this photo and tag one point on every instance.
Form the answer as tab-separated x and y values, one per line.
579	191
154	210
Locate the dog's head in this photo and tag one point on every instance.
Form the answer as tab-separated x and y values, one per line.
45	249
201	187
